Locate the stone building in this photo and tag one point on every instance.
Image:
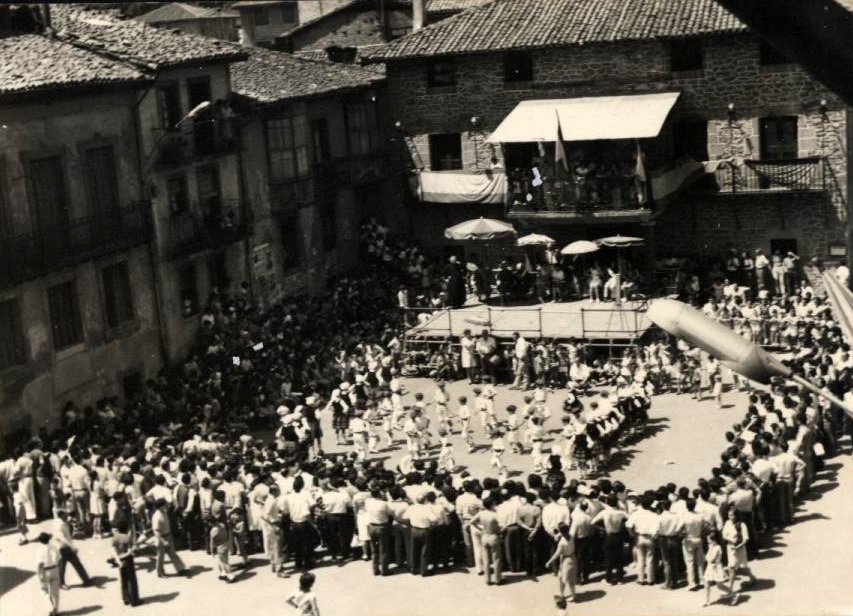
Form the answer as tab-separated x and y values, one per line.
189	158
316	165
212	22
738	146
78	320
261	21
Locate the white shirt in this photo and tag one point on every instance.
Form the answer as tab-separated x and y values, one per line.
298	506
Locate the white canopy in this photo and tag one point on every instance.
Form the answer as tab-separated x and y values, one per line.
635	116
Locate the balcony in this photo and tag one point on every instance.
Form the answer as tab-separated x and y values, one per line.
769	176
198	140
609	197
190	232
29	256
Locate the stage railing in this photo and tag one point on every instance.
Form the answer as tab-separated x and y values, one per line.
443	322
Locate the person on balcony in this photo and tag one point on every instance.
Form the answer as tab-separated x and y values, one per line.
594	278
610	285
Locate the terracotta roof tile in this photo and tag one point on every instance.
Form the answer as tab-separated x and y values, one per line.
520	24
270	77
138	42
33	62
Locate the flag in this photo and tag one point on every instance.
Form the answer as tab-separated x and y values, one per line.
640	173
559	149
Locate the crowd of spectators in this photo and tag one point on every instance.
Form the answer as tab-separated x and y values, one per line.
188	465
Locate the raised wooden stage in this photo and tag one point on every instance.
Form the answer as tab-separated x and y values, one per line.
582	319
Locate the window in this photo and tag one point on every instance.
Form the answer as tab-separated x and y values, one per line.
685	55
261	17
690	139
320	133
188	288
779	138
290	13
769	55
518	66
176	193
445	151
328	221
362	133
65	317
204	128
169	105
217	272
12	346
47	182
441	74
101	181
291	240
287	148
209	198
118	299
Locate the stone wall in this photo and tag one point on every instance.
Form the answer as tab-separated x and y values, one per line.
732	74
708	225
32	394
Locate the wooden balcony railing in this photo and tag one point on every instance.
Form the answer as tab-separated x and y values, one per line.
28	256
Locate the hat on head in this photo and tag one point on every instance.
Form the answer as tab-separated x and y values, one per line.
344	387
311	400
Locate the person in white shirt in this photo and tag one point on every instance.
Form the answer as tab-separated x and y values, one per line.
522	366
271	527
64	543
47	569
466	355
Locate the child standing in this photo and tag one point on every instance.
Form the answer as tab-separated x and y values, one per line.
527	413
498	448
537	437
445	454
303	599
481	406
489	393
717	384
540	399
465	419
512	429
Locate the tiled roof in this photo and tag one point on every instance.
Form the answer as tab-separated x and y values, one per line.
138	42
33	62
178	11
247	4
320	55
270	77
447	6
527	24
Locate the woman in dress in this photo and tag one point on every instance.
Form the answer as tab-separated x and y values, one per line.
736	535
97	504
715	573
594	278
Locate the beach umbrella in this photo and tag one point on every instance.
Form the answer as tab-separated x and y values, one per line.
620	241
480	229
534	239
580	247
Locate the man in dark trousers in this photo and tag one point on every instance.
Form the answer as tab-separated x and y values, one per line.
123	548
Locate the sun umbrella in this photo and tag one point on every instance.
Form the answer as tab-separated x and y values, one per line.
534	239
580	247
620	241
480	229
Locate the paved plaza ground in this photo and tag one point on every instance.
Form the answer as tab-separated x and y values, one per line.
803	571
